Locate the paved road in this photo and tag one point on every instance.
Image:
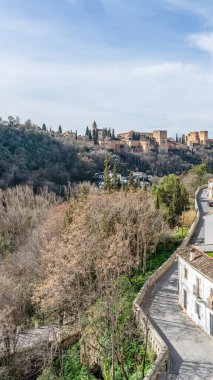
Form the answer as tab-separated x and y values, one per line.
198	237
190	349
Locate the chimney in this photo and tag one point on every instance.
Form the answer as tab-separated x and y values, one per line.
192	255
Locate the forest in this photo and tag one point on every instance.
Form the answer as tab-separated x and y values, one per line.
28	156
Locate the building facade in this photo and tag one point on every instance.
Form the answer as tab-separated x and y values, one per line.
197	138
161	139
196	286
210	188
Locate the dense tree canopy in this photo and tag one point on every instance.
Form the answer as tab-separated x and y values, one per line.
171	197
32	157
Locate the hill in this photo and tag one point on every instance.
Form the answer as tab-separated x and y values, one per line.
28	156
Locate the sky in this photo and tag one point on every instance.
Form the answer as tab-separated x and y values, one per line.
128	64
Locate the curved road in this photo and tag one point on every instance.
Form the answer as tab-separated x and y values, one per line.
191	350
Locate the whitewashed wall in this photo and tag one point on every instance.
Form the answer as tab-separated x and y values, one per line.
210	189
205	288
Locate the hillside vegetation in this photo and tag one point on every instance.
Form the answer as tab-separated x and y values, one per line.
33	156
28	156
81	263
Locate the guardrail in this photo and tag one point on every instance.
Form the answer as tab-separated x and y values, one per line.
162	364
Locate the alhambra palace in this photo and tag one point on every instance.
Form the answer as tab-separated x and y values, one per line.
136	142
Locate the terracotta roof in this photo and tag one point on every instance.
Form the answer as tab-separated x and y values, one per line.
201	262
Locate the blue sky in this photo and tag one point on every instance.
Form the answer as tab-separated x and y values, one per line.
128	64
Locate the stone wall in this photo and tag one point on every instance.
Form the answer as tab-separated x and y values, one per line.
162	362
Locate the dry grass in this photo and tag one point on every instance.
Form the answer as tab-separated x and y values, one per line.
188	217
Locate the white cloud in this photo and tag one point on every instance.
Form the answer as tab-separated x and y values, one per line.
120	94
167	68
203	41
124	96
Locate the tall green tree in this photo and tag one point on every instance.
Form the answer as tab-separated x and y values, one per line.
44	128
115	178
183	139
87	131
139	183
171	197
107	182
90	135
95	136
60	129
113	134
131	181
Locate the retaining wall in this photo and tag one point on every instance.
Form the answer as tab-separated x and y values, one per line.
162	363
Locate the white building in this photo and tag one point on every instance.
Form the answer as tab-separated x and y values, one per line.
208	237
210	188
196	286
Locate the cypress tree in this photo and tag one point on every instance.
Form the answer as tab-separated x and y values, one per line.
115	178
183	139
113	134
139	183
60	129
157	201
107	183
90	135
87	131
95	136
131	181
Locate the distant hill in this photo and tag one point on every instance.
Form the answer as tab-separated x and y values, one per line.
29	155
34	157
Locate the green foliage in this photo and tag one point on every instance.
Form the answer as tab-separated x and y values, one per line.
119	317
71	369
201	169
47	375
5	245
139	183
87	131
136	136
115	178
95	136
30	156
107	182
131	181
171	197
113	134
90	135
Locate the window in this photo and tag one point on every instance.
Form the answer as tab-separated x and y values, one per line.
196	288
197	309
185	273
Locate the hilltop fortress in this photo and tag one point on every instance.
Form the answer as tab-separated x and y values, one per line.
137	142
